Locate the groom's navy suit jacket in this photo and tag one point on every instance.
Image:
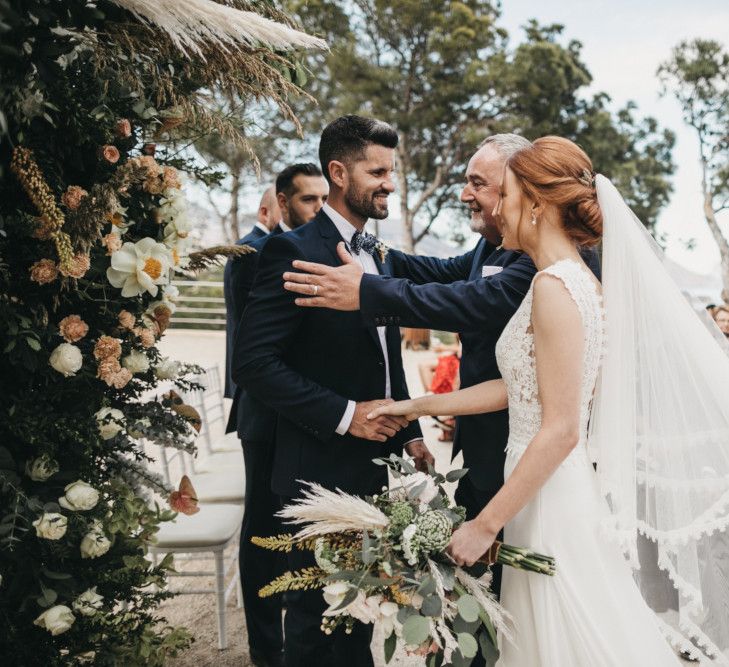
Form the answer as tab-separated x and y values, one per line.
452	295
307	363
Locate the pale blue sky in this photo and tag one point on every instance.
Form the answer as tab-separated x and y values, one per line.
623	44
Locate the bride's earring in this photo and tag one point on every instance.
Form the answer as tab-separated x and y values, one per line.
534	219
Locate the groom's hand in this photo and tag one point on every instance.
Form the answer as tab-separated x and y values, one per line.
335	287
379	429
421	455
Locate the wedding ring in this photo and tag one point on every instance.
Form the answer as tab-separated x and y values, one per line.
316	289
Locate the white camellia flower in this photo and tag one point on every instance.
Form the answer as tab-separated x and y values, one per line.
136	362
66	359
56	620
140	267
41	468
94	543
88	603
109	421
79	497
51	526
334	593
388	619
430	490
167	369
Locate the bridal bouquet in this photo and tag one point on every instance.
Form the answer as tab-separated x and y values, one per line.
383	559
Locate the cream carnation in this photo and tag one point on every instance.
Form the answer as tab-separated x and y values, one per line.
107	347
126	320
56	620
66	359
145	335
79	497
71	199
94	543
78	266
44	271
140	267
120	379
136	362
51	526
73	328
109	421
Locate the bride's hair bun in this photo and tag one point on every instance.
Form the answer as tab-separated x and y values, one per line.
557	171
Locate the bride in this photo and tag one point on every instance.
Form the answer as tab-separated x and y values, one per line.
619	425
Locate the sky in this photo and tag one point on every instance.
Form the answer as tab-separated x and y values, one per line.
624	42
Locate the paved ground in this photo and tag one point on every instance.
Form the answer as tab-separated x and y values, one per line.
197	612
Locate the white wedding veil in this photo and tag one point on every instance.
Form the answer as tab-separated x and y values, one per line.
659	434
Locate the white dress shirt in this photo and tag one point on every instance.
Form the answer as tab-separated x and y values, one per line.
284	227
347	230
262	227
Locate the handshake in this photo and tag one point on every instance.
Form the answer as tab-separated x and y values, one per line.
369	425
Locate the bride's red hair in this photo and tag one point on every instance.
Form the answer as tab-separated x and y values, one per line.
557	172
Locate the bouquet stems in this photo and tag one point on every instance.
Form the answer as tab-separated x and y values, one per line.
519	558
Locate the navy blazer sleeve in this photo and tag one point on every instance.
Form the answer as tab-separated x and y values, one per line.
267	328
429	269
465	305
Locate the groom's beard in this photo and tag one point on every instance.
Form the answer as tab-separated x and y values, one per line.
366	204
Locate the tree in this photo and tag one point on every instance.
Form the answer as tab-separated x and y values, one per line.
445	79
697	74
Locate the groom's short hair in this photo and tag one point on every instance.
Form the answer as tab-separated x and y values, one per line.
346	138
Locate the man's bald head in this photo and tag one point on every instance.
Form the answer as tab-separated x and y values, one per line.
269	213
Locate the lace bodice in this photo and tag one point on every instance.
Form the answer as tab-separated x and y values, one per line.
515	357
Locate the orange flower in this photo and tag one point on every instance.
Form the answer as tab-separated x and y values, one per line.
44	271
78	267
73	328
110	153
71	199
184	499
107	347
126	320
123	128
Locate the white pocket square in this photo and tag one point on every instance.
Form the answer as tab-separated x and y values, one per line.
487	271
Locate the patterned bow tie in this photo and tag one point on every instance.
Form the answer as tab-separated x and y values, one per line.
366	242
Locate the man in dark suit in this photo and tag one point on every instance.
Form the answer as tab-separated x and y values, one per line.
323	371
474	294
267	220
301	191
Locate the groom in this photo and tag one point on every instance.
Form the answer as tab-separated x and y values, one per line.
474	294
324	371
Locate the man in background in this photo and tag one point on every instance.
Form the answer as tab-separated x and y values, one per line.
300	192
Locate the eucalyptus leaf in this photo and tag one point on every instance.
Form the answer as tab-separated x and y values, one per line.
455	475
468	608
467	645
427	586
489	651
432	606
415	630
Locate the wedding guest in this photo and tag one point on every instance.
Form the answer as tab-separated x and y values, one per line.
721	317
300	192
267	218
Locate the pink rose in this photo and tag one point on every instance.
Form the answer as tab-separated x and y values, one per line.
110	153
149	149
73	328
123	128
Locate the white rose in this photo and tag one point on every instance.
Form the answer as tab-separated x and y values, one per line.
79	496
56	620
167	369
365	609
334	593
94	543
89	602
40	469
430	490
109	421
51	526
66	359
136	362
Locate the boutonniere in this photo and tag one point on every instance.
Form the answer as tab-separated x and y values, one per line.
382	251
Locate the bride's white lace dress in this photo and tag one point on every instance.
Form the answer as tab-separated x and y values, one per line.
591	612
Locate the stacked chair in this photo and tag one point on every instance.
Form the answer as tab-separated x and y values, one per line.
219	481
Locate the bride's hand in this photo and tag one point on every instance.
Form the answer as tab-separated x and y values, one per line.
407	409
470	542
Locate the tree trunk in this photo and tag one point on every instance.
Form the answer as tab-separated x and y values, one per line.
233	226
720	240
408	236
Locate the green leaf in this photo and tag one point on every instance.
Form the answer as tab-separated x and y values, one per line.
416	630
427	586
432	606
489	652
455	475
468	645
349	597
33	344
390	645
468	608
404	613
